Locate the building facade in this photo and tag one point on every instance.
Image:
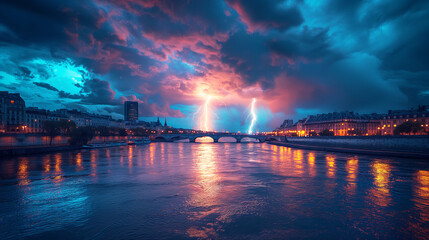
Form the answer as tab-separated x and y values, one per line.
84	119
336	123
343	124
36	118
12	112
395	118
131	111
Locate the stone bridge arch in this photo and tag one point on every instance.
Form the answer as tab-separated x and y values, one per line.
194	138
160	139
223	137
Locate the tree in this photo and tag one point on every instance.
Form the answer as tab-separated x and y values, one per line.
407	128
312	134
104	132
66	126
140	132
356	132
326	132
81	136
122	132
52	129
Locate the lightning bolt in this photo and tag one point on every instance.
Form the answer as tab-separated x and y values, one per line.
254	118
206	115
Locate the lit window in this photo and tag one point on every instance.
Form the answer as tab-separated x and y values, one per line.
12	101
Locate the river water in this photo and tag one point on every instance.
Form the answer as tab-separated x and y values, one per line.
212	190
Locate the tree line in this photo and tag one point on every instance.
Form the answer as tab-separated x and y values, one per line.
81	135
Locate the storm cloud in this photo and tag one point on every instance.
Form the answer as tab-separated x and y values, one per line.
292	55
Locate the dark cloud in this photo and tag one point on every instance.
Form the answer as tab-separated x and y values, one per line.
264	15
45	21
307	45
24	73
293	54
248	55
96	91
45	85
63	94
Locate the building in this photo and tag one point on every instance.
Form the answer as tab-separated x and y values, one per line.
131	111
35	119
395	118
343	124
12	112
286	123
84	119
338	123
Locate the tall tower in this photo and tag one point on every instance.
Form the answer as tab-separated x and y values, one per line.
131	111
165	122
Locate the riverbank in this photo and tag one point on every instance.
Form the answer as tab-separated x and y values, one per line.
318	146
30	150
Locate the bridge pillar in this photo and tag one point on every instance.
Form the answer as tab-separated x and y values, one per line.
192	139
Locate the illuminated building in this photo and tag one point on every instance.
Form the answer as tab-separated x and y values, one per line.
12	112
354	124
35	118
131	111
343	124
339	124
395	118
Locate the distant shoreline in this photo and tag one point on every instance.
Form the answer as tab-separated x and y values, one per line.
385	153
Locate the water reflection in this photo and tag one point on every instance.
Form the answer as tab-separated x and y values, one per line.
93	162
46	162
380	193
207	177
130	158
207	189
330	164
58	174
226	191
79	166
311	164
23	172
422	194
352	167
298	157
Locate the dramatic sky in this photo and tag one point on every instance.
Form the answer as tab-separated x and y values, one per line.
295	57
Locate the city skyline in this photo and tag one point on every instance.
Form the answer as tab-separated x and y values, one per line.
94	55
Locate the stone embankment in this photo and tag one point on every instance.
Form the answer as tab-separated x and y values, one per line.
392	146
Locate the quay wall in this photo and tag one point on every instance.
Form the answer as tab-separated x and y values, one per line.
24	140
396	143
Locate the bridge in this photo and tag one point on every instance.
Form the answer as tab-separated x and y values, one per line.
215	136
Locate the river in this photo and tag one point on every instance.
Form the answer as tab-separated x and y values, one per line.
212	190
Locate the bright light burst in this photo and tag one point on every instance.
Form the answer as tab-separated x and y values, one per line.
205	116
254	118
